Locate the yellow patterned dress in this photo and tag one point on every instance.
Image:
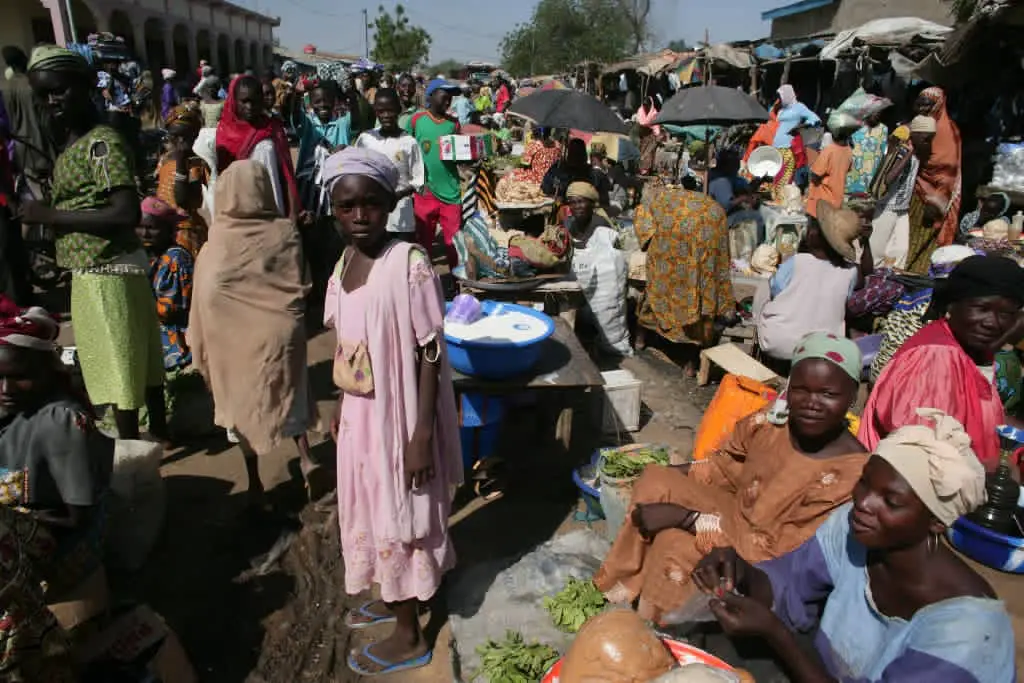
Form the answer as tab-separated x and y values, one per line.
686	237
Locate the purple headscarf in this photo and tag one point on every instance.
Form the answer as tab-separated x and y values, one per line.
357	161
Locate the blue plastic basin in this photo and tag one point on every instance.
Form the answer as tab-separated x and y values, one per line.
494	360
1005	553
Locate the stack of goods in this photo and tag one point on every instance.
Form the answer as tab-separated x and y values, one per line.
511	191
1008	173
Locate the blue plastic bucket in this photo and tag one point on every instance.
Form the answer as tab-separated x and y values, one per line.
480	419
478	443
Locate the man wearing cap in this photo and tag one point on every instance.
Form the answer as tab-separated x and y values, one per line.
440	201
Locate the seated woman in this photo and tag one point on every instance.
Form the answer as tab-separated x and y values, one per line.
575	168
539	156
809	291
686	237
994	207
899	605
949	363
171	268
907	315
54	464
767	490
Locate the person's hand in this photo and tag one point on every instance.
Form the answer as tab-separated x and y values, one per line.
306	219
336	422
742	616
419	460
721	571
32	212
652	518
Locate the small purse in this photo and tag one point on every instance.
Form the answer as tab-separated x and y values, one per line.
352	372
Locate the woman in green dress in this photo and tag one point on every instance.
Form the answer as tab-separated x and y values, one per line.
94	211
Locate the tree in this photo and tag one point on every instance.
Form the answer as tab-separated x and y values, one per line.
679	46
398	45
451	68
636	13
563	33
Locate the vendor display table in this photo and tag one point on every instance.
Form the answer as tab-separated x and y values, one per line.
564	374
775	218
560	298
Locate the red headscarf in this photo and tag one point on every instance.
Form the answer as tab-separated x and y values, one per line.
237	138
29	328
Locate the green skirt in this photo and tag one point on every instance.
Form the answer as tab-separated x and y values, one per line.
118	337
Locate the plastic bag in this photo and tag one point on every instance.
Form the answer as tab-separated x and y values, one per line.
465	310
602	271
696	610
490	598
698	673
138	503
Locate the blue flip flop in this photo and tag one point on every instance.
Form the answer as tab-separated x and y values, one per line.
371	618
387	667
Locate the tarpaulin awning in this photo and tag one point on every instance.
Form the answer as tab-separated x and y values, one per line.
736	57
895	32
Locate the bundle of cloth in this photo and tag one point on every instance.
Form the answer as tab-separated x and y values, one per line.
483	253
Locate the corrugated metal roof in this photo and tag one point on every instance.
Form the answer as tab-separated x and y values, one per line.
795	8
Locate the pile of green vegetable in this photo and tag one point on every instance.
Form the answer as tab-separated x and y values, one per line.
627	463
513	660
573	605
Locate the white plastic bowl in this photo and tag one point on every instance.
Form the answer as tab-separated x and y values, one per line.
764	162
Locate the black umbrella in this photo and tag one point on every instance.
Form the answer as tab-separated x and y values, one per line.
711	105
568	109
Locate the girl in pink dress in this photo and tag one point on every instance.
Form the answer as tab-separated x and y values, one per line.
396	428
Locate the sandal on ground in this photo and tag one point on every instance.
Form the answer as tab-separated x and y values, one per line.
489	479
371	618
387	667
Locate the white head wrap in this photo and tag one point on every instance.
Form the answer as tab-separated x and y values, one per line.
938	463
923	124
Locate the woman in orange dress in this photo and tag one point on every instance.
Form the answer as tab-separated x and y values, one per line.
766	491
935	206
181	174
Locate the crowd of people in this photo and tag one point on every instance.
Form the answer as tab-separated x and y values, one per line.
235	232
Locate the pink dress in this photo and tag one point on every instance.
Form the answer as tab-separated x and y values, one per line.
390	535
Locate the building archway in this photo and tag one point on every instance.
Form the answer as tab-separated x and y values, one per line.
203	48
240	64
223	63
268	57
84	20
254	59
121	25
182	57
156	45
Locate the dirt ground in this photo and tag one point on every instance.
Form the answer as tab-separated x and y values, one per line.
262	600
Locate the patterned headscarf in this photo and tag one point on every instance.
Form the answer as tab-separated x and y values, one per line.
837	350
27	328
289	67
358	161
161	210
938	463
185	114
841	352
54	58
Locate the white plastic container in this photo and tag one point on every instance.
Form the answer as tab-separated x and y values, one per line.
622	402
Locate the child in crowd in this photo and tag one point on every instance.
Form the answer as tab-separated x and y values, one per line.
170	270
396	427
322	130
404	152
441	199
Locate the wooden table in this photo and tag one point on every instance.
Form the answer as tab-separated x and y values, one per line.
564	373
560	298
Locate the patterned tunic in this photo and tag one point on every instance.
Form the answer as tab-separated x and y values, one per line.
191	231
171	275
686	236
84	176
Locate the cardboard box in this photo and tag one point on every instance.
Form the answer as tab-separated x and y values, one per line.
462	147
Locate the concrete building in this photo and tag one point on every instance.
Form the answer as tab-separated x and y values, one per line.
813	17
162	33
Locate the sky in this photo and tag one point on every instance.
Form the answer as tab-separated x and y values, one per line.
462	31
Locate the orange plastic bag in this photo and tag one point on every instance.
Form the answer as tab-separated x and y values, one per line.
736	398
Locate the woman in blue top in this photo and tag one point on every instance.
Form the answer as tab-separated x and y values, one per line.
791	114
899	605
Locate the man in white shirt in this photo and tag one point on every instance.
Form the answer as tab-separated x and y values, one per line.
389	139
